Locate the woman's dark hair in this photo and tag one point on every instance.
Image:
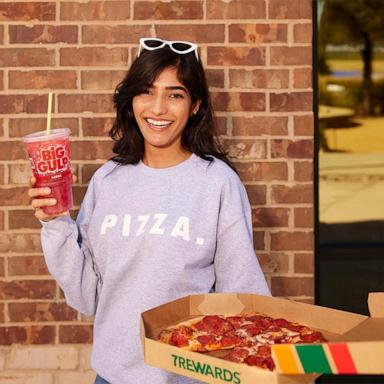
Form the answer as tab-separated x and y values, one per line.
199	134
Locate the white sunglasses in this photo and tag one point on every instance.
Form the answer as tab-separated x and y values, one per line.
180	47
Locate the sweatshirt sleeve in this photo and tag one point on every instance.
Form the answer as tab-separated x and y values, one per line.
236	265
69	258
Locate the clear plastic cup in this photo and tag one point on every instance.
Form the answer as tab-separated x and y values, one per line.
49	154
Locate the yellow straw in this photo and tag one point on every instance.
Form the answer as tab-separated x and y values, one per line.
49	112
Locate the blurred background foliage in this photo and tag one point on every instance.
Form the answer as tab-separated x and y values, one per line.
351	55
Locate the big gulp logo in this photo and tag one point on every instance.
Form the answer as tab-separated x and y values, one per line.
52	159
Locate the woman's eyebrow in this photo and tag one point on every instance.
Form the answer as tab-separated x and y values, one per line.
175	88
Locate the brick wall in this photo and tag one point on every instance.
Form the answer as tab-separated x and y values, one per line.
258	56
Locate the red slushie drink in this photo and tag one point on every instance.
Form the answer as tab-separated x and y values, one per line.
50	160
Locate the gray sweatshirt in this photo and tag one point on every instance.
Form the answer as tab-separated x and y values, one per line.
146	236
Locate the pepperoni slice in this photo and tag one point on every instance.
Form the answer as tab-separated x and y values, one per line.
260	361
314	337
214	324
237	355
178	340
281	323
261	321
230	340
264	350
236	321
296	327
180	336
252	330
206	339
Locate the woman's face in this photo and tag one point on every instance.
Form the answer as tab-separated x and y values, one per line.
163	111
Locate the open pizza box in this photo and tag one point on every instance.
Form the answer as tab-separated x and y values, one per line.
355	343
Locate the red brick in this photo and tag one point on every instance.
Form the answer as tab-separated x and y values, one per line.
158	10
257	33
91	150
27	289
289	102
246	149
1	85
291	55
236	9
238	101
114	34
78	194
1	35
13	196
28	335
215	78
44	34
12	151
2	267
23	126
101	80
19	242
304	217
93	56
12	11
42	79
221	125
270	217
85	103
274	262
23	219
290	9
10	104
2	180
198	33
26	57
259	78
235	56
298	149
303	171
302	78
262	171
75	334
97	126
292	286
299	193
259	240
25	312
27	265
2	310
88	171
303	125
257	194
292	241
256	126
302	33
304	263
95	10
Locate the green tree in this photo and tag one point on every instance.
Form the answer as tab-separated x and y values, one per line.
354	22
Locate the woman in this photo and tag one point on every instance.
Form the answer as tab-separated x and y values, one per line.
165	218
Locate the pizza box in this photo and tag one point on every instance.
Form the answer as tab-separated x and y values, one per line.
351	340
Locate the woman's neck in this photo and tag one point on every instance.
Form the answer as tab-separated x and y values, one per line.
160	158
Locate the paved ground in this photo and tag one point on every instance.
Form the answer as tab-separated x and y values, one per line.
351	185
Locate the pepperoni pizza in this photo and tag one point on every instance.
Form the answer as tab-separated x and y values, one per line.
247	337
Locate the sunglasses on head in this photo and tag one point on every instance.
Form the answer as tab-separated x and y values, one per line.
180	47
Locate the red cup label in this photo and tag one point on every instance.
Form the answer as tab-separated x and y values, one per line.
51	160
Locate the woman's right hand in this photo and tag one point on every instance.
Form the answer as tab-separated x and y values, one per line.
39	200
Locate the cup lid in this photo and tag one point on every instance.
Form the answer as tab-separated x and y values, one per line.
43	135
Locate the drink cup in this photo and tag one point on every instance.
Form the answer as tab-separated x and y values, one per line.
50	161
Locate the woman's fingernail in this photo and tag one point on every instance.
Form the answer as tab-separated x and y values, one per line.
47	190
52	201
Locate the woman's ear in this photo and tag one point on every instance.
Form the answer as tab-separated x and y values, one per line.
195	107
